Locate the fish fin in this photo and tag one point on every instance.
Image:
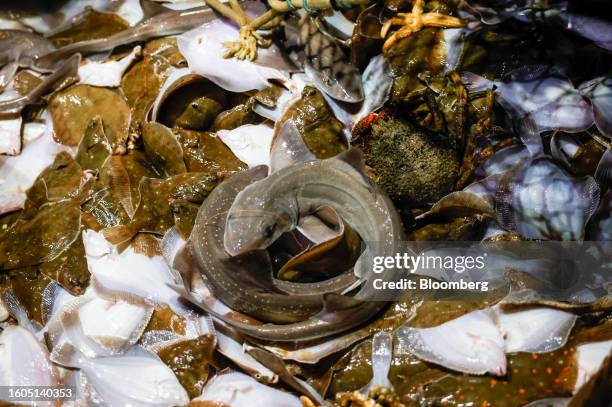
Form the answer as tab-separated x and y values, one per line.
118	234
354	157
191	299
67	355
459	204
329	216
321	226
254	268
603	173
336	302
119	184
475	83
49	295
288	147
171	243
382	351
151	8
184	264
16	309
529	133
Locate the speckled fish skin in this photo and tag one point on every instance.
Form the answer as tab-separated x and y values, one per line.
227	276
169	23
297	191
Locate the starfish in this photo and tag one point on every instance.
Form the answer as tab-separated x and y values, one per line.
414	21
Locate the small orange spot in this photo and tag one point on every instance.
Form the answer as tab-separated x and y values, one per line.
461	397
534	371
548	370
493	382
534	356
557	380
484	404
521	391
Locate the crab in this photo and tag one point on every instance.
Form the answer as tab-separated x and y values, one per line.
245	47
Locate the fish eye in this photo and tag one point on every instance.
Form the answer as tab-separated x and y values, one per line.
269	230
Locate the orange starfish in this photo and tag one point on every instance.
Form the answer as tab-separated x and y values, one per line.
414	21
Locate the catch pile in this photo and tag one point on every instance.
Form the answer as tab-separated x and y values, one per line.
191	191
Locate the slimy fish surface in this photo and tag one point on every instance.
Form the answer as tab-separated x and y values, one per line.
266	209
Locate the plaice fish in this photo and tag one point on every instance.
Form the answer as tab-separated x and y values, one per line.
250	143
108	73
10	134
323	61
171	22
147	280
203	50
540	200
239	390
470	344
476	343
24	361
258	220
113	326
590	356
550	103
18	173
135	378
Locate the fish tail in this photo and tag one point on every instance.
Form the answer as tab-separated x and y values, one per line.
17	310
603	173
119	234
119	182
474	82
